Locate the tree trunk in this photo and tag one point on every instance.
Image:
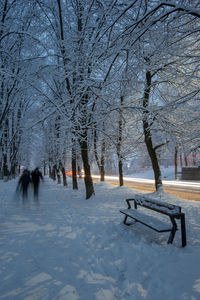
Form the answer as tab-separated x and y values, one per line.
5	168
102	166
119	144
50	172
79	172
194	157
101	163
95	147
5	157
44	168
83	106
176	162
147	134
87	178
58	175
186	160
181	161
74	176
120	167
53	173
13	170
64	175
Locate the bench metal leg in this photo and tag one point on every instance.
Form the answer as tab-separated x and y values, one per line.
173	231
125	221
128	224
125	218
183	230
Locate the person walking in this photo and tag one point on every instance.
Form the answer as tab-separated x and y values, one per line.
36	175
24	182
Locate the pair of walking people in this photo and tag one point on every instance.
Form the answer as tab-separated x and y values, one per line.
27	178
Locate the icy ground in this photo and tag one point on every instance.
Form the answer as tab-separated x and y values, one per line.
66	247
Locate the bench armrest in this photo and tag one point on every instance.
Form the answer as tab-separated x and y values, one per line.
128	203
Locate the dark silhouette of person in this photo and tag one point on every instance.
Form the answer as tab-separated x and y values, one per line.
24	182
36	175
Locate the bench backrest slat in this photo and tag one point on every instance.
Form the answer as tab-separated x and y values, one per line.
162	207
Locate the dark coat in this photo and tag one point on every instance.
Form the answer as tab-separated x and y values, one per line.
36	176
24	180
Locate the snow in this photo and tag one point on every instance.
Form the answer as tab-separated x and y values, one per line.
168	173
66	247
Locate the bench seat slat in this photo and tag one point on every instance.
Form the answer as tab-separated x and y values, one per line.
149	221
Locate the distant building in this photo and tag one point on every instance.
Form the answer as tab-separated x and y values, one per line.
191	173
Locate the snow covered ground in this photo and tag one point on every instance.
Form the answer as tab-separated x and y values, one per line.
167	173
66	247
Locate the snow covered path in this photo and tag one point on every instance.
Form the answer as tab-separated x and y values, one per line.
66	247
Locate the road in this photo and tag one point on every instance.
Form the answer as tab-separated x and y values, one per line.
183	189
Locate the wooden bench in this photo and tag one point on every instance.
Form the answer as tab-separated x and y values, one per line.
172	211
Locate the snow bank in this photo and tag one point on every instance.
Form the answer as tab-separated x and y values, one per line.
66	247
